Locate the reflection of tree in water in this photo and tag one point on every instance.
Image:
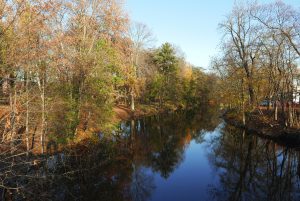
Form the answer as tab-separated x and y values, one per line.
160	141
167	159
142	185
250	168
98	172
115	169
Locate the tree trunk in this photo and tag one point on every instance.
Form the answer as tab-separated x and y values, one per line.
290	115
251	90
43	117
276	111
41	83
132	101
6	85
243	104
244	116
13	102
27	113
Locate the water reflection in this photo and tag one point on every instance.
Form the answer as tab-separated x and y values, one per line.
250	168
181	156
159	142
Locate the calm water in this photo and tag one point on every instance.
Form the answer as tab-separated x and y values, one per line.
171	157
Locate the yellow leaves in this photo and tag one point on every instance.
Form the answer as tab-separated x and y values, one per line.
115	19
187	72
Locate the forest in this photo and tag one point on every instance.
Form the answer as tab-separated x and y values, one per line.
66	64
92	107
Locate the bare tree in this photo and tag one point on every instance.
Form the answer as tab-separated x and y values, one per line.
141	38
242	42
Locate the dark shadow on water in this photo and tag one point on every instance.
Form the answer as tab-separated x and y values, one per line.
251	168
125	165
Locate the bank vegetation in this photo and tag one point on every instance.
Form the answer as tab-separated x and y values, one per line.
65	65
258	65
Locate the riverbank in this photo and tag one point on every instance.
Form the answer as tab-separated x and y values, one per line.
263	125
84	134
124	113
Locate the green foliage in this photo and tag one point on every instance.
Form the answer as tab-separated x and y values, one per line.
155	87
5	41
89	99
165	59
175	84
166	85
63	119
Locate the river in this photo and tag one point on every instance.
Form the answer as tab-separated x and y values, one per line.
183	156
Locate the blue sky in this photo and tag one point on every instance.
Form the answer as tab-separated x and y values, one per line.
189	24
